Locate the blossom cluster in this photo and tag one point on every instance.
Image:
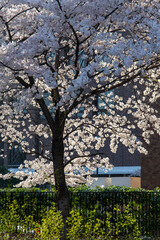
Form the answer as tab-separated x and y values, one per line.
56	59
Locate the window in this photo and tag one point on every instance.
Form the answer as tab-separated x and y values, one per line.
105	102
16	155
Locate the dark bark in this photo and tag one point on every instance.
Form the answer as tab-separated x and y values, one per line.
62	193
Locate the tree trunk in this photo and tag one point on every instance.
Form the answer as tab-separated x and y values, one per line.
62	193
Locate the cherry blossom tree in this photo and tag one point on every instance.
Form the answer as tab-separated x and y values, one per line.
56	58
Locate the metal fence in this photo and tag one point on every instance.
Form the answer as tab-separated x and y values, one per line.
142	206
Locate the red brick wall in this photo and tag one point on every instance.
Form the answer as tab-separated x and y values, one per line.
150	165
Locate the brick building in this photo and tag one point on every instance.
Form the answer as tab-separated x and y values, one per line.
150	172
15	156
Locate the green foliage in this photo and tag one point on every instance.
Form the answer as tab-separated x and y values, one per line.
17	190
9	218
16	224
92	227
82	188
33	203
126	222
114	214
113	188
3	170
8	182
75	225
52	225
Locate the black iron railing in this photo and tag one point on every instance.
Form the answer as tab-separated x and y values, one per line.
142	206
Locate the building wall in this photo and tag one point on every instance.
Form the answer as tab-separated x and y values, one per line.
135	182
150	168
121	158
98	182
121	181
109	181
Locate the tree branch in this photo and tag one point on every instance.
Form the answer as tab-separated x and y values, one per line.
106	87
20	80
82	156
40	101
97	25
19	14
39	154
12	69
7	27
46	113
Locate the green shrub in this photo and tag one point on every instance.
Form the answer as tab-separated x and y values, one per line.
112	188
51	227
124	213
15	224
91	228
126	223
94	228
